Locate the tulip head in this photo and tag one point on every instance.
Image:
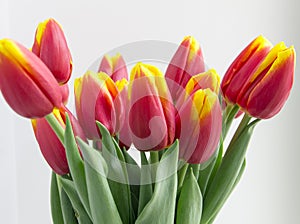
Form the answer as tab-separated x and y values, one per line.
269	85
26	83
97	98
114	67
151	113
187	61
242	67
198	126
50	146
51	47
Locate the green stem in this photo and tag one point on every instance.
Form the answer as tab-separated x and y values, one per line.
181	174
154	157
244	122
230	112
56	126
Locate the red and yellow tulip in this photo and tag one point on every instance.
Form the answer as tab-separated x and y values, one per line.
97	98
187	62
50	146
198	126
26	83
114	67
151	112
51	47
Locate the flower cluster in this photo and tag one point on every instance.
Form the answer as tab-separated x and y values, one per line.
146	109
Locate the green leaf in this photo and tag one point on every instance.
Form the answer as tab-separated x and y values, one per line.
102	204
207	175
67	209
134	176
189	206
146	183
57	216
69	188
227	174
235	183
117	174
76	165
161	207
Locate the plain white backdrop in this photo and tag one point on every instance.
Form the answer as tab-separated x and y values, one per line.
269	190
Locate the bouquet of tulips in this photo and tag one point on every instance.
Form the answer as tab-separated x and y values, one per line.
177	120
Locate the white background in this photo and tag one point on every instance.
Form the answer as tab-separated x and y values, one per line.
269	190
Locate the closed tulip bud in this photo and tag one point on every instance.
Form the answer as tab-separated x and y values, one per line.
151	112
50	146
268	87
97	98
209	79
198	126
114	67
51	47
187	61
26	83
242	67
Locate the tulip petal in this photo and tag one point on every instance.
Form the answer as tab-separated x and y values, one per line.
115	67
186	62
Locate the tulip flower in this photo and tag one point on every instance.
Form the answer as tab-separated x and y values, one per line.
242	67
187	61
26	83
114	67
198	126
51	47
151	112
97	98
50	146
268	87
209	79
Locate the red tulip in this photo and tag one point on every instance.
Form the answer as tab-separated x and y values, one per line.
114	67
51	147
198	126
98	99
51	47
151	112
26	83
187	61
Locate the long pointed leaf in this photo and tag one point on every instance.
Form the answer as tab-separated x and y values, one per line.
67	209
227	174
69	188
161	207
57	216
102	204
76	165
117	174
189	206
